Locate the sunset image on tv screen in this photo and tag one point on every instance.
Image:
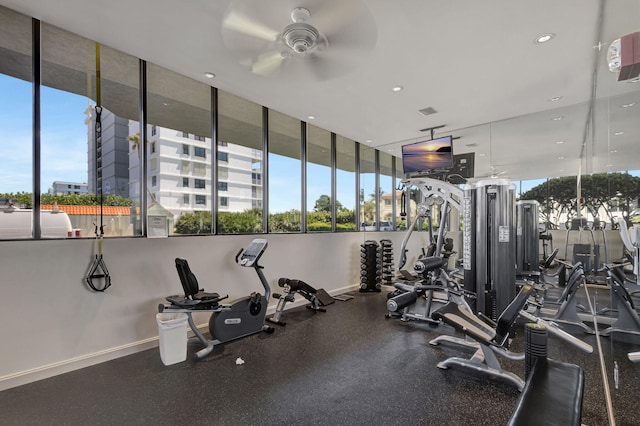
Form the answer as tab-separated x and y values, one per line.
429	155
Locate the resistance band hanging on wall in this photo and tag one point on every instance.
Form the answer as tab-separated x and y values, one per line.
98	270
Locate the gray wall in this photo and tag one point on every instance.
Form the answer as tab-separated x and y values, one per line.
52	323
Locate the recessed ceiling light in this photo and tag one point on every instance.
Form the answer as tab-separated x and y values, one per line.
559	142
555	98
311	117
544	38
613	151
481	155
558	118
627	105
560	158
618	133
368	141
165	103
209	74
397	88
609	165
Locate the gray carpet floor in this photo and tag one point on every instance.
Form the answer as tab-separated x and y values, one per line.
347	366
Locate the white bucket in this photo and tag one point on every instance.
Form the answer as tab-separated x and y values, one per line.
172	334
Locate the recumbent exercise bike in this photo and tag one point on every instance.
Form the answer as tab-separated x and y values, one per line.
239	318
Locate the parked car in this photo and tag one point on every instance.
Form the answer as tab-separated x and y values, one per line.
385	225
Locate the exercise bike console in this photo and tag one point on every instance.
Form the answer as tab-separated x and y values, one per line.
252	254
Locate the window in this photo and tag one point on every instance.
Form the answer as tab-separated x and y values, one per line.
256	178
185	182
368	190
386	189
199	169
186	198
222	143
16	131
153	147
223	186
198	183
285	198
153	164
224	201
199	152
185	134
319	212
154	130
223	173
185	149
154	181
345	184
184	166
240	126
201	200
198	138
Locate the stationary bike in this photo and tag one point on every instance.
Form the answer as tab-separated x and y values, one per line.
238	318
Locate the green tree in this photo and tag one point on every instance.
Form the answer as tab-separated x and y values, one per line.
323	204
559	195
194	223
25	199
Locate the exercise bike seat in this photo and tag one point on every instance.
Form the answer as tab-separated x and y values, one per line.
194	297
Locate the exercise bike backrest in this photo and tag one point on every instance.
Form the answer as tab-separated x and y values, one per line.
252	254
187	278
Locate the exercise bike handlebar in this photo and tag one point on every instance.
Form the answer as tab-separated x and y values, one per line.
238	254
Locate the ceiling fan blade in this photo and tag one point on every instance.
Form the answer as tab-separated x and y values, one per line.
357	41
332	15
240	23
327	65
268	63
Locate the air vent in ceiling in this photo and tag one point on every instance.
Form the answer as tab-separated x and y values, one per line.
427	111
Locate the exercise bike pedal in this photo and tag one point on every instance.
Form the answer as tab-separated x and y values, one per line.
276	295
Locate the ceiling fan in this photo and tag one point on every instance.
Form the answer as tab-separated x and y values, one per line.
317	39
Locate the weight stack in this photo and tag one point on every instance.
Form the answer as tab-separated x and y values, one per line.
386	248
370	266
535	346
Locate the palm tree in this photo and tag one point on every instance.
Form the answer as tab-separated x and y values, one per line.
135	146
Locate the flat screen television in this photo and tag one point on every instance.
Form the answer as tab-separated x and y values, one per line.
427	156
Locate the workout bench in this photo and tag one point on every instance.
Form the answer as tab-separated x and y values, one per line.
290	287
552	395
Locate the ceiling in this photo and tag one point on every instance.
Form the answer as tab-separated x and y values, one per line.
475	63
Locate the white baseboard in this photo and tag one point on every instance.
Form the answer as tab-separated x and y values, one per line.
43	372
32	375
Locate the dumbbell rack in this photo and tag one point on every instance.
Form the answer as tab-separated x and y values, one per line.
370	266
388	275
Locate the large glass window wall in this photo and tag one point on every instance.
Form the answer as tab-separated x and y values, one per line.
186	176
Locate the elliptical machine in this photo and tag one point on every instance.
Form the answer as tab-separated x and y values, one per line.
239	318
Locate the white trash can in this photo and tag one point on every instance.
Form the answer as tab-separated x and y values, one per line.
172	334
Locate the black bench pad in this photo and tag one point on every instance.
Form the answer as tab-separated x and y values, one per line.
552	396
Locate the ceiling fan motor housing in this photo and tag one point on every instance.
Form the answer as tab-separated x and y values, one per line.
300	37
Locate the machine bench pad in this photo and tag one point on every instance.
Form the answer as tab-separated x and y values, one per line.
552	395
